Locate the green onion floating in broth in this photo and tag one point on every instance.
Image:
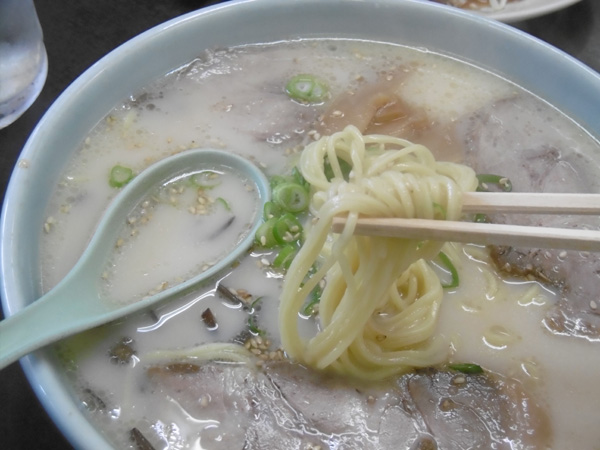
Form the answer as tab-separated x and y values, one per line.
307	88
452	269
285	256
503	183
466	368
120	176
291	197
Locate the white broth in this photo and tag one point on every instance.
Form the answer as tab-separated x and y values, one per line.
235	99
180	230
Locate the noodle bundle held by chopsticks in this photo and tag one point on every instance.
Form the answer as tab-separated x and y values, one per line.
378	309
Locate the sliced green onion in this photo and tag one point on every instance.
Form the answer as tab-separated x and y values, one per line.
285	257
271	210
291	197
255	302
264	235
315	299
299	178
466	368
287	229
440	209
502	182
481	218
205	179
120	176
276	180
307	89
453	272
345	168
254	328
224	202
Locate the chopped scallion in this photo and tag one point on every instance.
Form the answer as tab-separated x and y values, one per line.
271	210
254	328
466	368
439	211
290	197
287	229
285	257
344	166
485	179
255	302
299	178
315	299
264	235
307	88
453	272
120	176
224	202
207	179
481	218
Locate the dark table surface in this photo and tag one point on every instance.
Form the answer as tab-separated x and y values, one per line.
78	33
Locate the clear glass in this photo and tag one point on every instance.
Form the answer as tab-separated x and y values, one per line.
23	60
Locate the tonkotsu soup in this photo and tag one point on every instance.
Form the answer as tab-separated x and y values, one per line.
518	329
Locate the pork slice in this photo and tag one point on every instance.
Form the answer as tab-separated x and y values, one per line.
475	411
289	406
540	152
536	148
576	276
286	406
220	398
348	415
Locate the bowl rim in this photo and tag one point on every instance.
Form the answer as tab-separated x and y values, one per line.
47	384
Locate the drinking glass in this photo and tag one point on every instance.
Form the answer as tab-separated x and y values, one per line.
23	60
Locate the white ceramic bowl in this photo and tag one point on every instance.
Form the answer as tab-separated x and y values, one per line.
547	72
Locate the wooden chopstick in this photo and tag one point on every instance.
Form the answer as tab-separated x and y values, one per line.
476	233
531	203
496	234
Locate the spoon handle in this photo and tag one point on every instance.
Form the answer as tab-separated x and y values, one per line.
58	314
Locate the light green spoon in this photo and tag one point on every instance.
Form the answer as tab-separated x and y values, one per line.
76	303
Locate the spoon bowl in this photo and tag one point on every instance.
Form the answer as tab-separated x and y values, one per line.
76	304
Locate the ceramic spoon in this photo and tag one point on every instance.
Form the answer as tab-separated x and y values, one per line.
76	303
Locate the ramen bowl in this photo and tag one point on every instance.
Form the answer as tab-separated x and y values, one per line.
545	71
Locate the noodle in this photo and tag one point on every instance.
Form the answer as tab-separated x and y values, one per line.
379	307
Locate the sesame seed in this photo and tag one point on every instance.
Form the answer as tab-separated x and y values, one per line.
459	380
593	305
